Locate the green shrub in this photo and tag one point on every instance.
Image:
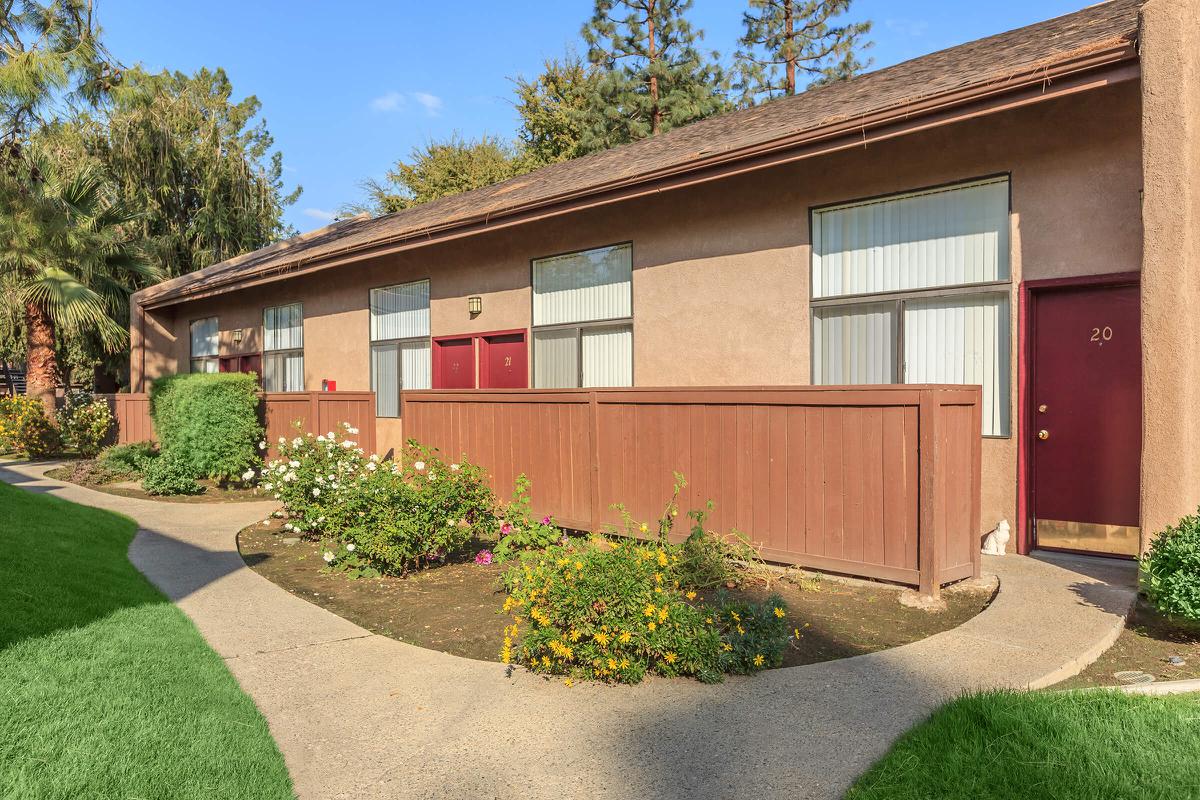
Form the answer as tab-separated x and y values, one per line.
1170	572
25	428
168	475
519	530
208	422
753	635
605	611
127	460
397	516
84	422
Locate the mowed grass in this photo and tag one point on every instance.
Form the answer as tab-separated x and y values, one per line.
106	689
1060	745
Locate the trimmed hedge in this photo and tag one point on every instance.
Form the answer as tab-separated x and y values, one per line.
208	422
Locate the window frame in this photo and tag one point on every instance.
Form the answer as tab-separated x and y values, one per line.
902	296
215	357
399	344
579	327
283	351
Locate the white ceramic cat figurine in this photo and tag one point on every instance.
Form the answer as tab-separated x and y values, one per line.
995	542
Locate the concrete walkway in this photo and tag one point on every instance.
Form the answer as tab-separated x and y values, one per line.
363	716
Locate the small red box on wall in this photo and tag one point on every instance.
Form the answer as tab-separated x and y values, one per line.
328	385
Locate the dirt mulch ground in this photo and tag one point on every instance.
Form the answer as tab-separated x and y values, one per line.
78	472
1147	644
455	608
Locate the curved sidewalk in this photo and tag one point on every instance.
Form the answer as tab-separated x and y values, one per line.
362	716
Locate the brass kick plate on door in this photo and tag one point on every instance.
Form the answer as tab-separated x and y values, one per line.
1121	540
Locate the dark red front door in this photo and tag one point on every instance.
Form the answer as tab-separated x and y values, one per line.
503	362
1086	418
247	363
454	364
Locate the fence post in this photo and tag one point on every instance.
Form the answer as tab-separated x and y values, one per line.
314	412
929	534
594	458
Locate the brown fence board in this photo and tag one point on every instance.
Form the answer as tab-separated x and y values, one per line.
875	481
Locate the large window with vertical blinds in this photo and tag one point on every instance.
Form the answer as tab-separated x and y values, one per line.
283	348
400	349
915	288
203	345
583	319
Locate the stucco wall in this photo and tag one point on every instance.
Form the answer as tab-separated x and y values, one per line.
1171	262
721	271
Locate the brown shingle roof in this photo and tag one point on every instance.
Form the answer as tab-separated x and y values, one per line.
958	69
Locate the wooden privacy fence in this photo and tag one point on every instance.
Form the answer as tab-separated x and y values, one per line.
876	481
317	412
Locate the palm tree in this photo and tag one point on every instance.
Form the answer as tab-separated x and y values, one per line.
66	256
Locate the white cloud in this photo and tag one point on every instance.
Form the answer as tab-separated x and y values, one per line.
398	101
391	101
321	214
430	102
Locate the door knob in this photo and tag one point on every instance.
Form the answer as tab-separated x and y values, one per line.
1043	434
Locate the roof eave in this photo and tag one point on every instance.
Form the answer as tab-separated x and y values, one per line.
1100	66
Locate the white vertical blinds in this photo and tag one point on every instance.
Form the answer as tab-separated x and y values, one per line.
962	340
204	365
583	287
400	312
854	344
607	356
204	337
385	379
283	372
283	327
556	359
942	237
417	372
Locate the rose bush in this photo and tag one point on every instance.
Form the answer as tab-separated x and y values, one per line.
25	428
84	422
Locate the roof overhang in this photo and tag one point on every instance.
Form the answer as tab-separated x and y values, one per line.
1098	68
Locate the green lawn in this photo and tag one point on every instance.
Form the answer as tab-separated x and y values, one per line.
106	689
1060	745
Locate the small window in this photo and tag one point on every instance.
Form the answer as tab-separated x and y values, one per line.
582	317
400	346
204	345
283	348
915	288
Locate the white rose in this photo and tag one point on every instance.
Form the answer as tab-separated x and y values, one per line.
329	435
262	445
372	466
347	444
321	438
350	548
328	557
352	431
297	442
316	492
248	475
293	464
375	457
454	467
418	465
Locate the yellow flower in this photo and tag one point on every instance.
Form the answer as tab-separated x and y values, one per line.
578	565
662	614
669	657
624	637
601	638
624	663
612	663
708	620
690	595
741	630
652	625
735	616
649	610
575	635
796	632
568	683
662	558
779	612
726	647
759	660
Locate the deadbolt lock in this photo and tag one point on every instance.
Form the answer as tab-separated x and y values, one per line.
1043	434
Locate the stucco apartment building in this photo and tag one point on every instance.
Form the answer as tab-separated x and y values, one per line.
1020	212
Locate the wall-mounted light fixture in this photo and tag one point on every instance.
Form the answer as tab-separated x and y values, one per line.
475	305
237	335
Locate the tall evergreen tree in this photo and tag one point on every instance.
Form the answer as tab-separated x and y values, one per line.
552	108
196	164
784	39
653	76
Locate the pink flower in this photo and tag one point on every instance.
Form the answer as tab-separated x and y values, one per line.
506	529
546	520
483	557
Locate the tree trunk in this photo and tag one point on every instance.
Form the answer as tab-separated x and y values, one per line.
789	22
655	113
41	373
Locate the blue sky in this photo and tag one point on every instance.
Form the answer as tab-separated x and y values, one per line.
349	87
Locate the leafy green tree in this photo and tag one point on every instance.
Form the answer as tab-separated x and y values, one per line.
785	37
653	76
67	256
552	108
197	165
440	169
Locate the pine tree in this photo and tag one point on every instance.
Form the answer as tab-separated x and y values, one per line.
653	76
786	37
